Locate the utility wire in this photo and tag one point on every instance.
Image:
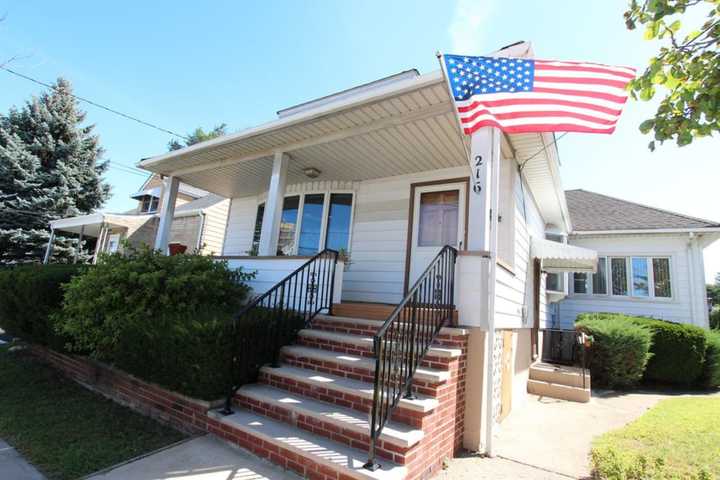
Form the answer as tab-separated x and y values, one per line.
554	142
95	104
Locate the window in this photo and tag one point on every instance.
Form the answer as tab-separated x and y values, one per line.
618	276
148	204
338	228
599	279
438	218
640	278
312	217
288	224
309	223
580	283
258	229
661	277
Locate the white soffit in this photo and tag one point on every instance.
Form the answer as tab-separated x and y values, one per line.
561	257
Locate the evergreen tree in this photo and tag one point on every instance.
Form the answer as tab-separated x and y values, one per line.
197	136
50	168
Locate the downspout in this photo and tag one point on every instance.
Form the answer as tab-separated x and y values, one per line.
490	384
198	244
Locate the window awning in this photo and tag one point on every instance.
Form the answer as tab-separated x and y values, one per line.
561	257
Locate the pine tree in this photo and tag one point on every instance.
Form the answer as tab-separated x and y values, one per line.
50	167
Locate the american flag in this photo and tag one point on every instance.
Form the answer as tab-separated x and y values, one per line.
520	95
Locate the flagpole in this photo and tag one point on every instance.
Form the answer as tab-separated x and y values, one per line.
443	69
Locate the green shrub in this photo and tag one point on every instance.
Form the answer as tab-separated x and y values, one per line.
715	319
28	295
124	293
678	352
711	368
620	350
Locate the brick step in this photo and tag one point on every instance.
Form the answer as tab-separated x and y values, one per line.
448	337
560	374
373	311
437	356
561	392
344	392
305	453
341	424
352	366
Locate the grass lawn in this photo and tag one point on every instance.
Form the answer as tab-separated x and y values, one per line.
678	438
65	430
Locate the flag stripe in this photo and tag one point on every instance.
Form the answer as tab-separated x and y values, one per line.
559	127
539	101
527	96
584	93
582	81
588	70
616	68
536	114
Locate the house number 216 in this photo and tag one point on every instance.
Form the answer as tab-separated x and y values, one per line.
477	177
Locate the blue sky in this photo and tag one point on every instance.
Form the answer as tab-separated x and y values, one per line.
186	65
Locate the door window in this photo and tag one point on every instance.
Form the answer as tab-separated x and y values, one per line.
438	220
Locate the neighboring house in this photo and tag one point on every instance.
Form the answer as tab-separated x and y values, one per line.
380	172
650	261
198	223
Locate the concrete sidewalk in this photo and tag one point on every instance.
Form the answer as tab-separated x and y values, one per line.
14	466
202	458
551	439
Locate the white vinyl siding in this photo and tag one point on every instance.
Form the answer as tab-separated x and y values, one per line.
514	289
216	219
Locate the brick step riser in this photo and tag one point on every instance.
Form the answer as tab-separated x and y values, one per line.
348	437
401	414
306	467
328	325
354	373
429	361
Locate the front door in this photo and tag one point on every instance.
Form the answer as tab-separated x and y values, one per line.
438	220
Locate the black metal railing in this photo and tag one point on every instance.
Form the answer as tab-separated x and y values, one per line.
405	337
272	320
565	347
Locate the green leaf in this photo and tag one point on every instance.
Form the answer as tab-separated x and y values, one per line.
647	93
647	125
675	26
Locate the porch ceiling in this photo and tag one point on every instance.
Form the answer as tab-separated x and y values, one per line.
403	128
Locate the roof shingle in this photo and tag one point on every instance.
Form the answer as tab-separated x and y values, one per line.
591	212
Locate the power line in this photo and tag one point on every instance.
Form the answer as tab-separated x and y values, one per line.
127	169
95	104
554	142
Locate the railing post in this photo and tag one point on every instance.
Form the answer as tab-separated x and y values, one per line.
371	464
411	353
332	283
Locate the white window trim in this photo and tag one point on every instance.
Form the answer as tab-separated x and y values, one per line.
628	279
325	213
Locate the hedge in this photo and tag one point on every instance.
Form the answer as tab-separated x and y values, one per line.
28	295
678	352
122	294
711	370
715	319
620	350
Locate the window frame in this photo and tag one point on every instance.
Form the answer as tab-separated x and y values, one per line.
629	278
325	214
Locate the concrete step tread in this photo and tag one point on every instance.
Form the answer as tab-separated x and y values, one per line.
396	433
356	361
321	450
367	341
346	385
378	323
552	367
559	391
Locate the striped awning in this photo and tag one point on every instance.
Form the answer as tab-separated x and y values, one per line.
561	257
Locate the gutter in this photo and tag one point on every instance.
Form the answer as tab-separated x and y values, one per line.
647	230
198	244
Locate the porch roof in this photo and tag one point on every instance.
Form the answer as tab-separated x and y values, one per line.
400	125
561	257
91	224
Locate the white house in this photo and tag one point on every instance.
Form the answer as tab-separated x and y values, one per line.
198	224
380	173
650	261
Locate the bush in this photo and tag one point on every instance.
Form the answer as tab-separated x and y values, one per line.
28	295
715	319
710	377
620	350
678	352
125	294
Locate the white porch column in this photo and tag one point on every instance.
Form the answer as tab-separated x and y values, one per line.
485	148
48	250
167	212
79	244
273	206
